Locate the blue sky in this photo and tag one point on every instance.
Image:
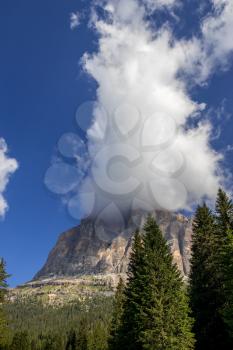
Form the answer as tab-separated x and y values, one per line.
41	85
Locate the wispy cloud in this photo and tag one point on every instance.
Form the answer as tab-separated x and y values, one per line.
216	44
158	4
229	148
7	167
75	20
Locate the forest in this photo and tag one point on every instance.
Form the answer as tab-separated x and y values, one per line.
155	309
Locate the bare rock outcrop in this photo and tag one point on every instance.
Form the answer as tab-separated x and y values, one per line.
83	251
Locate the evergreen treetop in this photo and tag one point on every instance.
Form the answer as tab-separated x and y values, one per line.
224	228
156	311
224	213
207	281
3	278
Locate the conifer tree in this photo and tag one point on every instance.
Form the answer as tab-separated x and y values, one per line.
3	285
165	310
127	336
20	341
156	311
227	309
224	214
224	228
3	277
72	341
206	282
117	316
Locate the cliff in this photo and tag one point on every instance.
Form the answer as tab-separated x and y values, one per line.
83	251
87	262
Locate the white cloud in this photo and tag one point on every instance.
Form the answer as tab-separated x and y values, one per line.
215	47
7	167
138	67
217	30
229	148
75	20
157	4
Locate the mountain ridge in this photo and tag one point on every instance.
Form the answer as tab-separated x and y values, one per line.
84	249
84	263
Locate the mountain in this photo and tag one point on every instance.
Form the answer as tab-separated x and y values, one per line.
87	261
86	249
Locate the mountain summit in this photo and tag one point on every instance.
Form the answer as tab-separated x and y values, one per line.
86	250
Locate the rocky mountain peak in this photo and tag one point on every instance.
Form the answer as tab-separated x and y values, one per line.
88	250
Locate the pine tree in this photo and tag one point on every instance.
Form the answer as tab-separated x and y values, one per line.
72	341
3	277
224	214
165	311
127	336
227	308
117	316
206	284
156	311
3	286
21	341
224	228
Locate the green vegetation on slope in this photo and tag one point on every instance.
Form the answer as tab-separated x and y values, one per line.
42	324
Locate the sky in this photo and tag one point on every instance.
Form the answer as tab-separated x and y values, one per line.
45	76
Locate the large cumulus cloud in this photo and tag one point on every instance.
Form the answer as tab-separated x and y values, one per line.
144	77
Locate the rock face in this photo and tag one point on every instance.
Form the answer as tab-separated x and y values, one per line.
86	249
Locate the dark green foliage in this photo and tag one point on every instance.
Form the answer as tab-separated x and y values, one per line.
224	214
71	341
3	277
227	309
51	342
156	311
165	311
117	315
224	227
79	326
204	296
3	321
210	261
20	341
82	335
128	333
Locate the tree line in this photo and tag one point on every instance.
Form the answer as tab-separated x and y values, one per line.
33	325
155	309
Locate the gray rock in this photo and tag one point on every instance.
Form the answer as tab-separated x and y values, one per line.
85	249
